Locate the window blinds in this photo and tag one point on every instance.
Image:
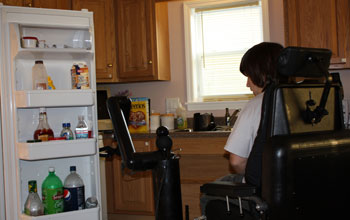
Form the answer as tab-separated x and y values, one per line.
222	37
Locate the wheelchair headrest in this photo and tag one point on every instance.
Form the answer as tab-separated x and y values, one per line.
304	62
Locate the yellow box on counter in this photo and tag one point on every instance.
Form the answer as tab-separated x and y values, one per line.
139	115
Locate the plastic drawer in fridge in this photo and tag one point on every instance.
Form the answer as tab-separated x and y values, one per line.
56	149
51	98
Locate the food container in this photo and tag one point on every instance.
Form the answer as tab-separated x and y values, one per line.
29	42
167	120
41	43
155	121
80	76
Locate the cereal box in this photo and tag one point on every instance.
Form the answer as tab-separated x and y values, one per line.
139	115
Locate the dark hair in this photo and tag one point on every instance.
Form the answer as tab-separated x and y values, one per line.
260	63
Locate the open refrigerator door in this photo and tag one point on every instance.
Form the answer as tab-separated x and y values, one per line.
2	193
66	37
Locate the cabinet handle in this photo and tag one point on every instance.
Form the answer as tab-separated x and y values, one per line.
109	65
29	4
150	62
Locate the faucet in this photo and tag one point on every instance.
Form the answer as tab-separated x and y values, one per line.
230	120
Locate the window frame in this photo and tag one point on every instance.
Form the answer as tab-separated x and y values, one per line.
188	7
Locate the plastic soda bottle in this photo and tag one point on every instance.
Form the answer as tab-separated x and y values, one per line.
39	76
74	191
33	205
67	132
52	193
82	130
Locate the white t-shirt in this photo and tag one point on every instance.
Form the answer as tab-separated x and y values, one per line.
241	139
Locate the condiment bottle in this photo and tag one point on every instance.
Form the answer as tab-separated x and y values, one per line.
33	205
181	117
43	131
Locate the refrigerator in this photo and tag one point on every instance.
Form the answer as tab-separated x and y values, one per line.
64	37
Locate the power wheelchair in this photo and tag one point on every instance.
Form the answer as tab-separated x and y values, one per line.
299	166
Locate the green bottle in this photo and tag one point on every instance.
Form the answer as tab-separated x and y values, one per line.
52	193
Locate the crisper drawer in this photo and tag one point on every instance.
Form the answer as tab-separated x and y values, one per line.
56	149
52	98
86	214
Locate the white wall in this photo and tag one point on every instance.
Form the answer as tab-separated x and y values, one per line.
159	91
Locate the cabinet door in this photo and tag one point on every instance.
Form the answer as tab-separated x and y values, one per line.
129	192
104	36
13	2
319	24
55	4
135	39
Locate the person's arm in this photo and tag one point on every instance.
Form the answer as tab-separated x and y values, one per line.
238	163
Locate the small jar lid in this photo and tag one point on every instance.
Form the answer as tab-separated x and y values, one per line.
155	113
168	114
34	141
29	38
57	138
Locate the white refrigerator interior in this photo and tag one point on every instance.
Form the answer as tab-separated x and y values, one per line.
69	38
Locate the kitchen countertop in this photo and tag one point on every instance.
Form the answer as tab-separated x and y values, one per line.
193	134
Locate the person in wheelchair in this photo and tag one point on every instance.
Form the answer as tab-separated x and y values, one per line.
259	65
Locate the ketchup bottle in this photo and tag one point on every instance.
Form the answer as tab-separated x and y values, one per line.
43	132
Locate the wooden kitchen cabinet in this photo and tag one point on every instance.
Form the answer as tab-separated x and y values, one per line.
320	24
130	192
13	2
203	159
105	41
54	4
142	40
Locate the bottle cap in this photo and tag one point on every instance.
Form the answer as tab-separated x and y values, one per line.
72	168
32	186
168	115
51	169
64	125
68	124
42	110
33	141
39	62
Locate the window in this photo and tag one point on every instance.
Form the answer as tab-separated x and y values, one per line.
217	34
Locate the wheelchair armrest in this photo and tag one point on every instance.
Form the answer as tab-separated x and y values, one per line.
229	189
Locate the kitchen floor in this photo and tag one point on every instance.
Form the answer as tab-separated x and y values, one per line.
129	217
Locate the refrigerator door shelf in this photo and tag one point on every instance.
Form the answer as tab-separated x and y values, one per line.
40	53
54	98
56	149
86	214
